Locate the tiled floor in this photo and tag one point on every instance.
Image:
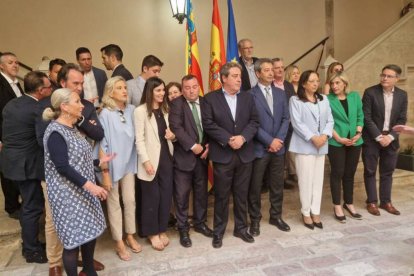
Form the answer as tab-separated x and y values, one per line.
381	245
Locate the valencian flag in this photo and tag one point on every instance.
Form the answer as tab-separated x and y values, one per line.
192	55
232	51
217	54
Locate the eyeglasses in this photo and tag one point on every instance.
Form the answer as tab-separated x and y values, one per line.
385	76
121	115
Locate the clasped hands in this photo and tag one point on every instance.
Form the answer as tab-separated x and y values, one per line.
276	145
236	142
319	140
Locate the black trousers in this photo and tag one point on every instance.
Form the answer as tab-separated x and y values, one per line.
344	162
184	182
11	195
156	198
234	178
32	208
372	155
274	165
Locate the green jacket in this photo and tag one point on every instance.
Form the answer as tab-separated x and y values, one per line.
346	125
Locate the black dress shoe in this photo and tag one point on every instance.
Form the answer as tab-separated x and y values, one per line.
36	257
254	228
185	240
280	224
15	215
203	229
288	186
354	215
217	241
244	236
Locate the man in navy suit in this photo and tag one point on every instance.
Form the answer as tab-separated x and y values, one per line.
269	147
94	79
384	105
112	59
230	120
190	159
9	89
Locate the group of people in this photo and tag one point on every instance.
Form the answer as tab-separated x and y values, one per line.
75	138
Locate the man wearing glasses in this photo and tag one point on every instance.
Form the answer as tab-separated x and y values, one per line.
385	106
246	60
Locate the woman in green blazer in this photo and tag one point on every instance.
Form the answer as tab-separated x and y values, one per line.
345	144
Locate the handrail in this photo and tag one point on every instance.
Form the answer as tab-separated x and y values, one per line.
322	42
23	65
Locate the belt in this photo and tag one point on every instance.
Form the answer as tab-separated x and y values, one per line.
385	132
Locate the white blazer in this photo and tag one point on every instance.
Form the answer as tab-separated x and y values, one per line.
147	141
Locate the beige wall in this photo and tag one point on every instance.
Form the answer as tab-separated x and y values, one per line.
278	28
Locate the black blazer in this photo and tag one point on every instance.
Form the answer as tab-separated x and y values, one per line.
100	78
123	72
6	94
219	125
183	125
245	75
374	112
22	157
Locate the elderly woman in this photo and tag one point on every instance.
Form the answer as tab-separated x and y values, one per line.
345	144
334	67
155	165
117	177
292	75
71	189
312	123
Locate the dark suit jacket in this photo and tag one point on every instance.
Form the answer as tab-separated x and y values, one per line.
22	157
183	125
374	112
123	72
6	94
100	78
245	75
271	125
219	125
289	92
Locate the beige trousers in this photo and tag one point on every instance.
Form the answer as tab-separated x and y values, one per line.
54	247
310	170
127	187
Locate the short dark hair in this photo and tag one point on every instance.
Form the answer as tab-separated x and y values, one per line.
276	59
56	61
188	77
393	67
64	71
259	62
304	77
148	95
33	81
150	61
113	49
225	69
81	50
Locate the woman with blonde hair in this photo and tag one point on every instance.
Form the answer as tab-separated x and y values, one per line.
292	75
345	144
117	177
334	67
72	193
155	164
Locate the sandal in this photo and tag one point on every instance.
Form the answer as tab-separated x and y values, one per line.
123	253
156	243
133	245
165	240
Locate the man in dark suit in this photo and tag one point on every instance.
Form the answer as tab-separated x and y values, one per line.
9	89
230	120
385	106
22	159
280	82
269	147
94	78
190	160
112	59
247	61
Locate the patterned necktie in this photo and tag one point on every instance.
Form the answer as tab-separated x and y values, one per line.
269	99
197	121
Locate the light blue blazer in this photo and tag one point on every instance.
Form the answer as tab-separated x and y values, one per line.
309	119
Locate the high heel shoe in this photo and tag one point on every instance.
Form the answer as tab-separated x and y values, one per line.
318	222
308	225
341	219
353	215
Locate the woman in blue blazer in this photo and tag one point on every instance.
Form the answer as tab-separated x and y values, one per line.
345	144
312	123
